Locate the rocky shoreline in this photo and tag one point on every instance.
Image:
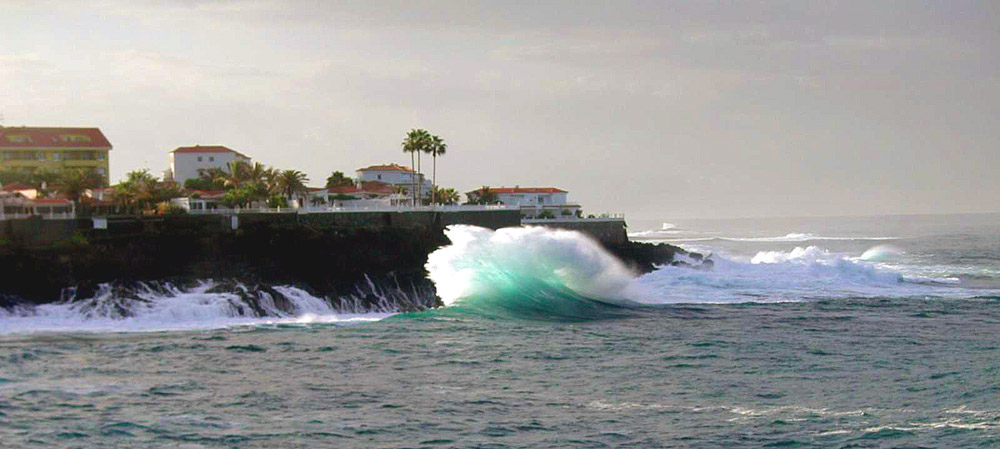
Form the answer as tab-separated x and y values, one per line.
355	268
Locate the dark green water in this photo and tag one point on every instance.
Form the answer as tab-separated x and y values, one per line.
841	373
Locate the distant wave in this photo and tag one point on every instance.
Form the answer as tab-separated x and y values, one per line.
804	273
794	237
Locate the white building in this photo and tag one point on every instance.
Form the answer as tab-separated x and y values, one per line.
186	161
533	201
200	200
396	175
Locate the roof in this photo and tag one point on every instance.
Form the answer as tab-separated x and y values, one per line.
344	190
15	186
206	194
390	167
37	137
207	149
376	187
509	190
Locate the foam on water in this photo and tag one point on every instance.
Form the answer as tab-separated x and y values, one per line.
517	267
170	308
479	263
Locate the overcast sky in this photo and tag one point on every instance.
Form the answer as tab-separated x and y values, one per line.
657	109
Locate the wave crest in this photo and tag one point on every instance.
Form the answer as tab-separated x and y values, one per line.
527	269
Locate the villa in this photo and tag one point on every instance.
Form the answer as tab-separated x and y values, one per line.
369	194
36	149
395	175
534	202
200	200
186	161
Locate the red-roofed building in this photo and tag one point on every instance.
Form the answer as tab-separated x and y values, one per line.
533	201
366	195
186	161
395	175
21	207
43	148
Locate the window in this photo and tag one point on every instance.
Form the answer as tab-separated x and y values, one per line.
101	155
74	138
56	156
19	138
211	158
199	158
40	155
101	170
380	177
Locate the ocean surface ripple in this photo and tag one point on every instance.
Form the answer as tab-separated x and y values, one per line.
546	342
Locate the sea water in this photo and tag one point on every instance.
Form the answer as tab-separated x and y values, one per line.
846	332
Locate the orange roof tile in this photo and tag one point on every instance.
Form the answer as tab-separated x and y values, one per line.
390	167
207	149
509	190
15	186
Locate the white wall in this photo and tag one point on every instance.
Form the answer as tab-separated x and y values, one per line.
531	199
185	166
396	178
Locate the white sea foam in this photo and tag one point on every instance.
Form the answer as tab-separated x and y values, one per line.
173	309
484	262
479	259
803	273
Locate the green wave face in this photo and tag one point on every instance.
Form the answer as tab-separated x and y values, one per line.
516	297
528	273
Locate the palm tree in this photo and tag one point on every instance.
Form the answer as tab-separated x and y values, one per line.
436	148
338	179
416	142
239	174
290	182
445	196
483	196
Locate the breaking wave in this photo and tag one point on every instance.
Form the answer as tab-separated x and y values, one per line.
162	306
554	274
528	272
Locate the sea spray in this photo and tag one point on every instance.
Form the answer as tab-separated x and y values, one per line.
160	306
800	274
481	263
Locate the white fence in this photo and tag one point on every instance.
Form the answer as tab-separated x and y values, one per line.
606	217
328	209
48	216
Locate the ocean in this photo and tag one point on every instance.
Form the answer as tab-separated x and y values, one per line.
805	332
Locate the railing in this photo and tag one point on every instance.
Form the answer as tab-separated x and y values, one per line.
48	216
604	217
328	209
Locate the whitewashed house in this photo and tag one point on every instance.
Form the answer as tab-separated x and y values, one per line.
534	202
369	195
186	161
200	200
395	175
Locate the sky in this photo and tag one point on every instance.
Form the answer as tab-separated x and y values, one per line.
659	109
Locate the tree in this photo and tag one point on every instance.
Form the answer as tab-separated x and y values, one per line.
208	179
140	190
436	148
445	196
73	182
416	142
483	195
290	182
337	179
